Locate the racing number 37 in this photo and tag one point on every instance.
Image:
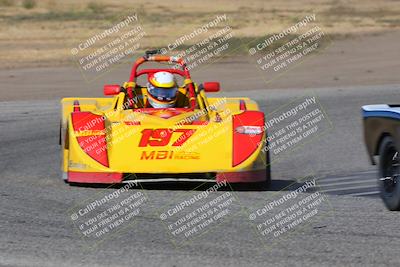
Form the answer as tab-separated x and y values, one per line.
162	137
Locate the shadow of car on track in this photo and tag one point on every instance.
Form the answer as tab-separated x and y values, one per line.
276	185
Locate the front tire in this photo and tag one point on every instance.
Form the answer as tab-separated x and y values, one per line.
389	174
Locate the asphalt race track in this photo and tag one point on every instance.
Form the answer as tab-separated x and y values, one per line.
357	230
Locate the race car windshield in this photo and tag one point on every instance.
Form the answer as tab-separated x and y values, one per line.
163	93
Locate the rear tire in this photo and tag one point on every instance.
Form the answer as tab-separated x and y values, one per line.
389	174
258	186
268	171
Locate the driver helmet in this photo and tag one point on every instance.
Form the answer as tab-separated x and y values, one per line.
162	90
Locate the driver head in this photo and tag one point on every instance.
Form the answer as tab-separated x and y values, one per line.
162	89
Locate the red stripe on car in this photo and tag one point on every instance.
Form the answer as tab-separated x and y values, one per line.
244	145
93	145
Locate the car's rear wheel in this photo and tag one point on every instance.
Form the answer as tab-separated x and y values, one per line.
268	170
264	185
389	172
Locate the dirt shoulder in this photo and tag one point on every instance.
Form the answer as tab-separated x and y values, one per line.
44	34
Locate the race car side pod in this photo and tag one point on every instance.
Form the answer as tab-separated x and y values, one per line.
248	130
247	134
90	133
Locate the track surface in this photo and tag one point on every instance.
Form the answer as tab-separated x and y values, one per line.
35	228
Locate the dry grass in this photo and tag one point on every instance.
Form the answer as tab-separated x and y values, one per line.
45	33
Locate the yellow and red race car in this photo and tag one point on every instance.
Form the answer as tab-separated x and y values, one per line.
121	138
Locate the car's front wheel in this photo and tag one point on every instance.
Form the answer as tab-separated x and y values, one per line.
389	172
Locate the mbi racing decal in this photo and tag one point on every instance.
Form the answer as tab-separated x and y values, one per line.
168	154
162	137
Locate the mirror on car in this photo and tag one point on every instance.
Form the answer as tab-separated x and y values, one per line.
211	86
112	89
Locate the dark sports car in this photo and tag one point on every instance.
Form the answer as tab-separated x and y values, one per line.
382	138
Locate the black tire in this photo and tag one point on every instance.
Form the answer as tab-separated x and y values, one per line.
59	136
389	171
257	186
268	170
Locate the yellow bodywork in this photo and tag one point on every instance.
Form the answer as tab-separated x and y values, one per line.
207	149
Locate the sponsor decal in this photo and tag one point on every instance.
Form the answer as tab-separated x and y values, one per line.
162	137
168	154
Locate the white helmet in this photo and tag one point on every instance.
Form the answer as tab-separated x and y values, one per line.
162	90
